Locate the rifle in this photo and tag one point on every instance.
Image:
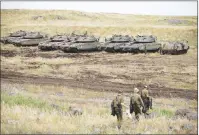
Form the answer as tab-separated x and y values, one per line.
151	103
148	103
112	109
131	108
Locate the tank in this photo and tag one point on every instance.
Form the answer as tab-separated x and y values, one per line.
120	39
147	43
130	47
19	33
49	46
54	43
82	43
23	38
10	40
145	39
13	37
117	42
31	39
149	47
174	48
59	38
120	43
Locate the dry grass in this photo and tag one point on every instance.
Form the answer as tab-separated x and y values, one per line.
55	61
70	16
9	47
38	66
36	117
29	110
175	71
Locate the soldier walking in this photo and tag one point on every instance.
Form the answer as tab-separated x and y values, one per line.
136	103
147	100
116	107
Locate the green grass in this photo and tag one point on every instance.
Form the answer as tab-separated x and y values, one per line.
164	112
21	100
24	101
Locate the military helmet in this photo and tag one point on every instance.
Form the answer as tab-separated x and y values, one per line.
136	90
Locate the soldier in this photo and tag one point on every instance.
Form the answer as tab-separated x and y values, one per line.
136	103
116	107
147	100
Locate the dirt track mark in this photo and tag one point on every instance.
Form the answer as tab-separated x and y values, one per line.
8	53
97	85
34	52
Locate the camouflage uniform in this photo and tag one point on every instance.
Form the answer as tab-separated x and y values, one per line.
147	100
117	109
136	103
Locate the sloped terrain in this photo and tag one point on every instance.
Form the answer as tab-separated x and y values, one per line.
39	87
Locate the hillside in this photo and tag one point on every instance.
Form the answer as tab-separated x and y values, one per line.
38	87
100	24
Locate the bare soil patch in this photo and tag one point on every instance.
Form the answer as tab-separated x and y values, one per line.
167	76
96	85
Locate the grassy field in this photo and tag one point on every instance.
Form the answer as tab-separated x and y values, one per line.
41	108
32	109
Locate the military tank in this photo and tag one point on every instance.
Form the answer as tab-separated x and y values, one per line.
58	42
174	48
120	43
54	43
31	39
23	38
13	37
117	42
130	47
82	43
145	39
147	43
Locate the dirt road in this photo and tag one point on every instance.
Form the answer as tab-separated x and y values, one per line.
155	91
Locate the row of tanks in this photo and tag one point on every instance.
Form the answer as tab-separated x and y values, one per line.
23	38
125	43
71	43
89	43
